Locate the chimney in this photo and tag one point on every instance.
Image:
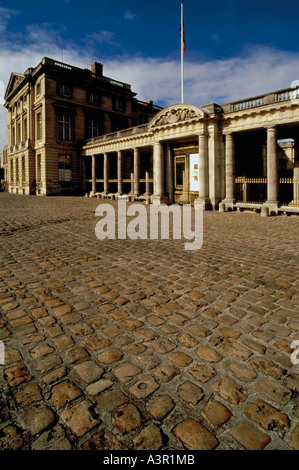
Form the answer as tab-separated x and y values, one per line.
97	69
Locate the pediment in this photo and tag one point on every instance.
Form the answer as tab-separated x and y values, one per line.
14	81
177	113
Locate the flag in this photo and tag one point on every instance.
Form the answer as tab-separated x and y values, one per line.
182	28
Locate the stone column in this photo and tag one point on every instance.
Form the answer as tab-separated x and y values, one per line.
229	170
136	171
169	174
203	197
83	174
106	174
119	173
93	174
296	177
147	184
272	167
158	173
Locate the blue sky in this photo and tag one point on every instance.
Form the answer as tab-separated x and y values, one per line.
235	49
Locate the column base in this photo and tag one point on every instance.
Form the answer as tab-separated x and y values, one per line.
227	205
158	200
272	207
170	199
204	201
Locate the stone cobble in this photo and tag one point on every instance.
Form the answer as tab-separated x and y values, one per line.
141	345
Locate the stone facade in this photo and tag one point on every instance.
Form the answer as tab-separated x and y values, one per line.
238	155
76	130
52	109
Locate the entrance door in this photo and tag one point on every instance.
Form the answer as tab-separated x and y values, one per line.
186	178
181	179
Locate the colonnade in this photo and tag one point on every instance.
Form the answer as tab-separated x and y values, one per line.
163	171
135	176
272	169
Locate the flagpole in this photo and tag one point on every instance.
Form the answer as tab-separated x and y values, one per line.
182	54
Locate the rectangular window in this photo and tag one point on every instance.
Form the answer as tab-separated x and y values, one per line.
93	98
38	126
64	89
64	126
11	172
38	169
119	104
25	135
23	170
38	88
18	132
118	124
13	136
65	170
93	128
17	170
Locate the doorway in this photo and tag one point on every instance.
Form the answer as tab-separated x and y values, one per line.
186	176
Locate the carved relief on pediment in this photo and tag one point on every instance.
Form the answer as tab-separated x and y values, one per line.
176	114
14	82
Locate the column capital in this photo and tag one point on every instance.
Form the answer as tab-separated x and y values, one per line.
203	133
228	135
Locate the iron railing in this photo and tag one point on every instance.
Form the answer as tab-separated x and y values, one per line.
254	190
250	190
289	191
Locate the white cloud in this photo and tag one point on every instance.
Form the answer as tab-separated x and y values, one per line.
129	15
5	15
258	70
101	37
2	88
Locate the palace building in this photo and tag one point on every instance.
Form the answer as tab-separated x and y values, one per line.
52	109
73	129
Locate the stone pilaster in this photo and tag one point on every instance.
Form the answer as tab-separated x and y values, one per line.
93	174
229	171
169	174
136	165
272	169
106	174
119	173
203	197
158	196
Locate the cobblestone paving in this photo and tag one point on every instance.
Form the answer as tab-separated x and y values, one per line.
123	344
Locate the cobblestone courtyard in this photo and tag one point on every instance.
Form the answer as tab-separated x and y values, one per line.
123	344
